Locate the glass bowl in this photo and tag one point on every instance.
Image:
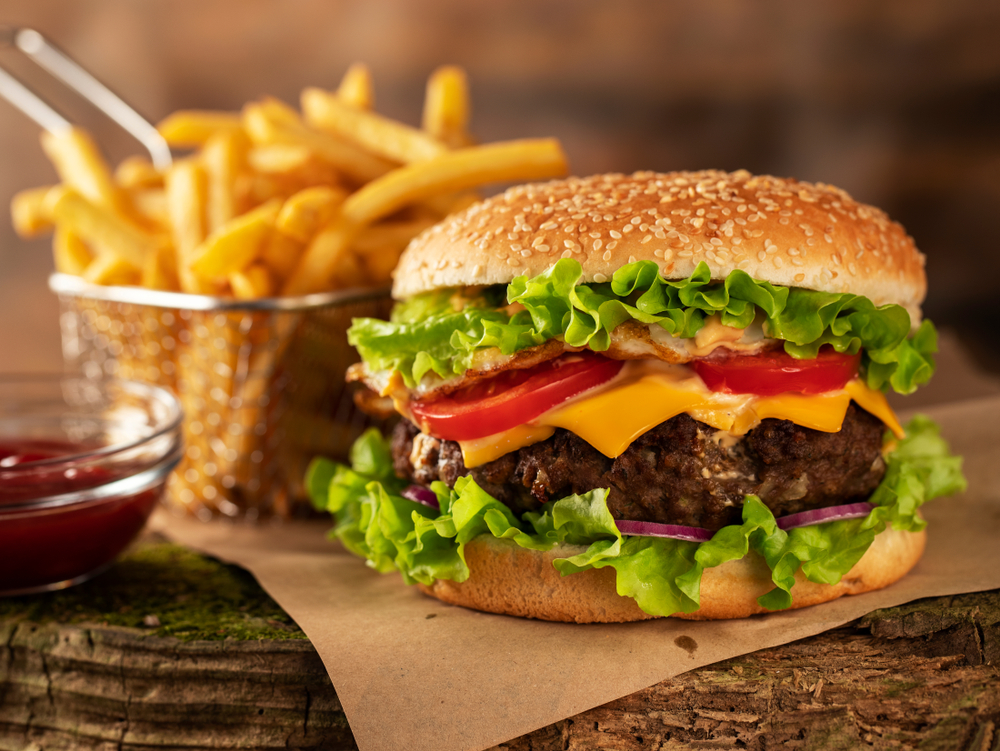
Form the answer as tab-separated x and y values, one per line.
82	465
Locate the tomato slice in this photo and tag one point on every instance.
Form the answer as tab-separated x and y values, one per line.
513	397
776	372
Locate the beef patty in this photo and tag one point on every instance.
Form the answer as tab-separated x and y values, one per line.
680	472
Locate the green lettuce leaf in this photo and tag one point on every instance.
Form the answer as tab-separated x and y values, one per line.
377	523
428	335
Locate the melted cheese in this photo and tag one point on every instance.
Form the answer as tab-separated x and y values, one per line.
875	402
612	417
482	450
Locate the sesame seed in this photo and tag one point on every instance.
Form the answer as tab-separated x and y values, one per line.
607	255
685	254
761	255
646	239
778	262
600	278
567	254
798	262
615	234
658	252
800	277
612	245
598	244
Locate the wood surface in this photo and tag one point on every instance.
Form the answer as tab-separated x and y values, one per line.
924	675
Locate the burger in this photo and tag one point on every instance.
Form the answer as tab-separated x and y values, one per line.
626	397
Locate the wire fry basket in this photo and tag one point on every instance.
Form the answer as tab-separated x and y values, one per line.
261	383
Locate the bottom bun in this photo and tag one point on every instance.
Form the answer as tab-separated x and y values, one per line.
506	578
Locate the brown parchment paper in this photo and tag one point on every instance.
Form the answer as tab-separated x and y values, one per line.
414	673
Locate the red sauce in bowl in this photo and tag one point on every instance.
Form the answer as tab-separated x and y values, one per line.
46	545
83	463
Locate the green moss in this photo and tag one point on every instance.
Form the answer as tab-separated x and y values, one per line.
897	688
191	596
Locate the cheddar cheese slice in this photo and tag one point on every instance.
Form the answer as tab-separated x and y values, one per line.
610	418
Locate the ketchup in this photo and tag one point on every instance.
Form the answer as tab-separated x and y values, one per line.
44	546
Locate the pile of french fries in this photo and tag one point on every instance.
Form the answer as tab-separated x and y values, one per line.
269	201
273	200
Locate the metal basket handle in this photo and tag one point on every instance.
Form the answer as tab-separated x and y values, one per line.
59	64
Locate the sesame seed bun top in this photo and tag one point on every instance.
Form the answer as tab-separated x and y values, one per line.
787	232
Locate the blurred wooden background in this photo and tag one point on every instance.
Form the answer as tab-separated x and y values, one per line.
897	102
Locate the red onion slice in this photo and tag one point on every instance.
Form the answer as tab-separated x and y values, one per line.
654	529
829	514
422	495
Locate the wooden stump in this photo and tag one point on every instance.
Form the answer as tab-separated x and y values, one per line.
174	650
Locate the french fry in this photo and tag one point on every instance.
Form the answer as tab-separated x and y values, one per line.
452	171
193	128
186	196
29	214
378	247
329	248
356	87
138	172
160	270
389	235
280	254
267	123
71	254
449	203
110	268
278	158
529	159
81	167
236	244
223	157
251	283
151	206
379	135
304	213
350	272
378	266
446	106
107	230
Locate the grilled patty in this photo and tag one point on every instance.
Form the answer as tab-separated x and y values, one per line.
680	472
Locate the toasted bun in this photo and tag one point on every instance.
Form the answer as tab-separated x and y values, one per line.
512	580
786	232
